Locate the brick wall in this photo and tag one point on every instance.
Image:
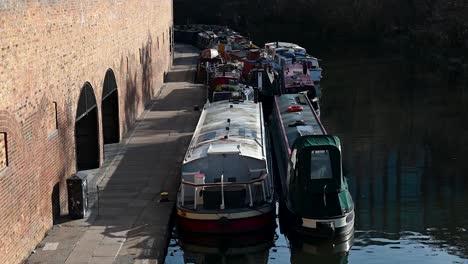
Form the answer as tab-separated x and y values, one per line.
48	51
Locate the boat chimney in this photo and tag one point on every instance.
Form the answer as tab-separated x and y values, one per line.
255	94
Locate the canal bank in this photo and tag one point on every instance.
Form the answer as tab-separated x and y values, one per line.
129	222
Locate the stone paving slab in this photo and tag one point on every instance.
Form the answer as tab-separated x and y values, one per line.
127	223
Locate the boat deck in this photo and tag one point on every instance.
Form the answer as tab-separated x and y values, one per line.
300	123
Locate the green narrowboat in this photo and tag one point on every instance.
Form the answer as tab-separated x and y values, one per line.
314	193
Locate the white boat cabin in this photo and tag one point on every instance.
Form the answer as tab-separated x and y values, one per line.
225	166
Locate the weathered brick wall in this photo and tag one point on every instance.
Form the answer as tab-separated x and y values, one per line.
48	50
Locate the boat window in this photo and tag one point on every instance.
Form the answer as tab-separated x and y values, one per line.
315	63
320	165
221	96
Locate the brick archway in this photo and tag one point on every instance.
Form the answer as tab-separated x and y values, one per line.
110	109
87	130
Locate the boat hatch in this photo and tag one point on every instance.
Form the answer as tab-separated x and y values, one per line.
318	157
305	130
317	188
223	149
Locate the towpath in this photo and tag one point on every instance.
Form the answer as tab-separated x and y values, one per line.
132	225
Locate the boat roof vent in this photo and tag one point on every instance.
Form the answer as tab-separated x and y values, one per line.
305	130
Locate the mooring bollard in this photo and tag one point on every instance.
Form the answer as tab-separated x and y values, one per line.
164	197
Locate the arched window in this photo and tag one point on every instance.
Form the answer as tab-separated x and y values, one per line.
87	130
110	109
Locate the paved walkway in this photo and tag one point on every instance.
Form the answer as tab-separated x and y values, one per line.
129	223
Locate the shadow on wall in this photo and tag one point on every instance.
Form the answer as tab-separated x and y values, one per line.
65	139
133	97
147	70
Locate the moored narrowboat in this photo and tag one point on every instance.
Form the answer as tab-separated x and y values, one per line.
284	54
233	92
207	57
314	193
227	185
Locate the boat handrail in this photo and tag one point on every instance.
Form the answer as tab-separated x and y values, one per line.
261	178
262	132
248	185
222	192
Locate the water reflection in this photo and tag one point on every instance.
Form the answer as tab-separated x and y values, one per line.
403	247
307	250
404	137
313	249
204	249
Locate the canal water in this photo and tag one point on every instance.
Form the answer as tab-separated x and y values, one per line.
404	133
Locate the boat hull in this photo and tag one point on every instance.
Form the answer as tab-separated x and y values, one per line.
316	228
324	232
222	223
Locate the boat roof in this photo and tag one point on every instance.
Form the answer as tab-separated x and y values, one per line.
294	76
244	91
288	55
287	50
238	53
297	124
244	136
318	141
207	34
237	38
228	75
287	45
227	70
227	66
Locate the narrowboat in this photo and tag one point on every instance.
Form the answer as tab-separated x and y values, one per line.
220	74
314	193
273	47
233	92
295	78
263	77
227	185
206	39
200	35
207	57
285	53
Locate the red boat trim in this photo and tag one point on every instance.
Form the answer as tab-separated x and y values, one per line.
223	225
208	216
282	126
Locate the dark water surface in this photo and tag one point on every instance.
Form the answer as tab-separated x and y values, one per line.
404	134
